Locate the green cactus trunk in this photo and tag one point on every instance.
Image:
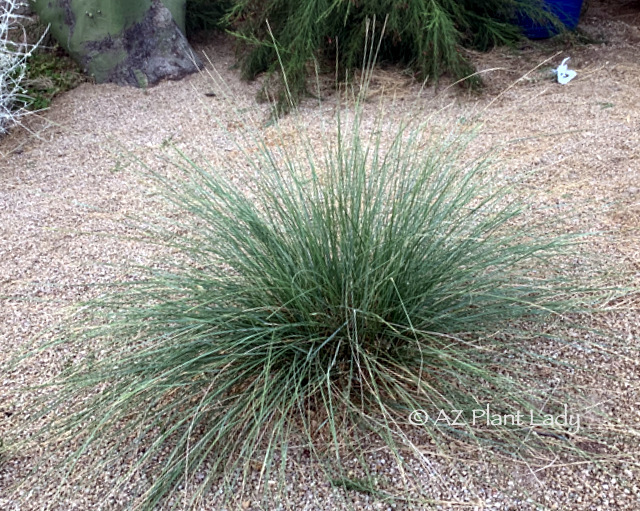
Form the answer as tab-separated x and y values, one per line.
134	42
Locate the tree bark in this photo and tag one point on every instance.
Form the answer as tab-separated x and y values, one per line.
128	42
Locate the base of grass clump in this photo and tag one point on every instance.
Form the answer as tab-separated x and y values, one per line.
358	302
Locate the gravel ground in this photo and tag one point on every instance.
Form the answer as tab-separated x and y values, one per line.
574	148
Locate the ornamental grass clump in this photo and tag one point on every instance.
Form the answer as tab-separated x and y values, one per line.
310	313
432	37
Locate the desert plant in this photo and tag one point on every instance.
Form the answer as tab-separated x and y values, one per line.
15	50
428	35
49	72
348	286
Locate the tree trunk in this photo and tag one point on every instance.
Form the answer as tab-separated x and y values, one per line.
129	42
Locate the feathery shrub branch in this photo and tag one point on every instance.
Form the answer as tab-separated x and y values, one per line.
14	53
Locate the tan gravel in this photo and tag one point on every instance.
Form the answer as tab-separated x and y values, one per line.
574	148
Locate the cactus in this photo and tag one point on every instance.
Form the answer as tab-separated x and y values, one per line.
121	41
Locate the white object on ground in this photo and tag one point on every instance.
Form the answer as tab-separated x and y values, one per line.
565	75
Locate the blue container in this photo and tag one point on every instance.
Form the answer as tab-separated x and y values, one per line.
567	11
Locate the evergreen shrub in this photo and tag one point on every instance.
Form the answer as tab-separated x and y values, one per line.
430	36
